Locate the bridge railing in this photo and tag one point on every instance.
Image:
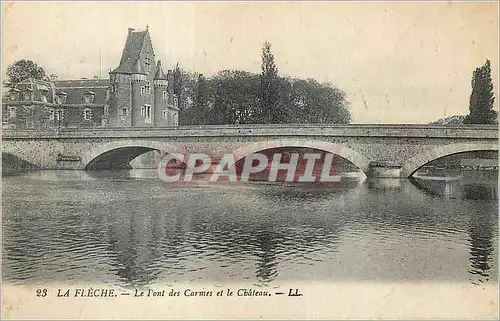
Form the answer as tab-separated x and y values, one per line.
273	131
264	126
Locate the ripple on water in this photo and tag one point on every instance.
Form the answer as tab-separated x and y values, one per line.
136	232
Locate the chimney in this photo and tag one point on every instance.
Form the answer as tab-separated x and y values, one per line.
130	30
170	75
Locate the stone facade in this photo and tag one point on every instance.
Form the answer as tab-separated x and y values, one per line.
137	94
141	95
408	147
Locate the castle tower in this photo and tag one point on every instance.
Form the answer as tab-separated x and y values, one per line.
131	102
161	97
173	104
119	111
141	106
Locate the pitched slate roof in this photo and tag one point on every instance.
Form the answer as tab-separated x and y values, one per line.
72	83
37	86
131	51
75	90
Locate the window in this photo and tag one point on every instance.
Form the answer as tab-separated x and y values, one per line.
165	114
44	97
88	98
147	113
13	96
60	99
148	88
176	102
51	115
27	95
59	115
143	111
165	95
174	122
143	90
112	89
147	64
87	114
12	112
124	111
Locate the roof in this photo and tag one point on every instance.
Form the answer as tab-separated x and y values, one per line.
131	51
75	89
137	69
37	85
159	72
88	83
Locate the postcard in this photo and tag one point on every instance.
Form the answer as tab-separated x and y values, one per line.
244	160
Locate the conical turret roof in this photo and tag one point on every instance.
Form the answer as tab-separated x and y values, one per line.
137	69
159	72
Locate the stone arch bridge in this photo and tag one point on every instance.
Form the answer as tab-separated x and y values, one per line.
397	150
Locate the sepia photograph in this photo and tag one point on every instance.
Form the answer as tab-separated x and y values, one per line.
249	159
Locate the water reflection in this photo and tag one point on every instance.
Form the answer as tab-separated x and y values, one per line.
120	229
481	246
466	184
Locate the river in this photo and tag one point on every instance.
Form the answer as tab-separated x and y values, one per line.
130	228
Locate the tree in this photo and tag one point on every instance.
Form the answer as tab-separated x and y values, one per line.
235	97
198	113
24	69
272	109
481	99
314	102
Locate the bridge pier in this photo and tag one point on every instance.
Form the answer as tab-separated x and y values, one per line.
384	169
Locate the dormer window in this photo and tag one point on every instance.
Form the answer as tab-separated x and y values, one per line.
176	102
27	95
147	64
13	96
60	98
88	97
44	91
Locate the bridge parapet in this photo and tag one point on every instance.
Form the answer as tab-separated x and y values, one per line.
407	146
295	130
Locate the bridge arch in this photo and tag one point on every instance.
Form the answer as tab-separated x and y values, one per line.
119	154
412	164
335	148
14	163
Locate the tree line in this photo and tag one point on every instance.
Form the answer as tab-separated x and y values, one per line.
240	97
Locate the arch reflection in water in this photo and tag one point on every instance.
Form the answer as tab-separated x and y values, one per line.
136	232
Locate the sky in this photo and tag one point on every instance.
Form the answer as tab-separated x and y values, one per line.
404	62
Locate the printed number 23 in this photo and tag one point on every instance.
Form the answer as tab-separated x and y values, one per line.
41	292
